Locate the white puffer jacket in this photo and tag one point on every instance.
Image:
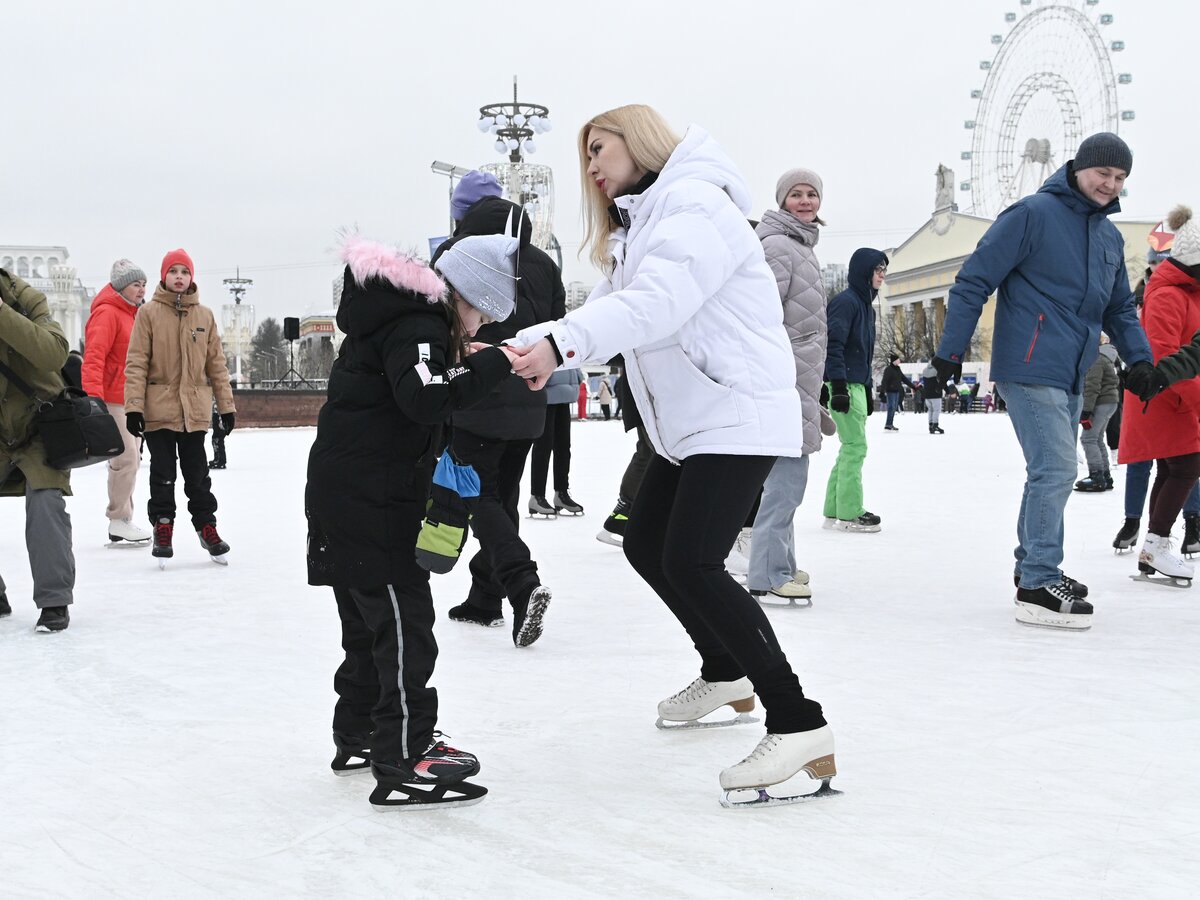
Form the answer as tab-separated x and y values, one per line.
693	306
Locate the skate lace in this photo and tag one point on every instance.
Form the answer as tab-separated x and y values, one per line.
162	533
209	534
694	691
765	746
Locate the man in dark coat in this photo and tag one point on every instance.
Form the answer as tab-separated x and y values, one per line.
495	435
890	385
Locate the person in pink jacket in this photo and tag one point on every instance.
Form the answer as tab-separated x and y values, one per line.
106	341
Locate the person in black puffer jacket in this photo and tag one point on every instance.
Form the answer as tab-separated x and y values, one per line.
495	435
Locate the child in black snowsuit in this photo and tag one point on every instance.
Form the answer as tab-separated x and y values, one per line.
405	365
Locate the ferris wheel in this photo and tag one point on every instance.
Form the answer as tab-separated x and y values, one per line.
1050	84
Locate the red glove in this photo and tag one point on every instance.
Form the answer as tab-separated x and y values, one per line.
1086	420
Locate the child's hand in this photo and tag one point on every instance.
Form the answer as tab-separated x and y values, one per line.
476	346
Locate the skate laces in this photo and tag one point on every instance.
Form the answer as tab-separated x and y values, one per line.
162	532
765	746
694	691
209	535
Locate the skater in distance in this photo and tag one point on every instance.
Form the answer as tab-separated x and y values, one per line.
690	302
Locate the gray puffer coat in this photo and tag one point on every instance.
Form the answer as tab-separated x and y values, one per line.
788	244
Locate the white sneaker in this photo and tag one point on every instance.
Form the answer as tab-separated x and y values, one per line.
702	697
125	530
780	756
1157	553
738	560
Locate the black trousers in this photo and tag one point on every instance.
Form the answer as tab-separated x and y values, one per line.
643	454
555	437
383	683
218	444
502	565
193	464
1174	480
682	526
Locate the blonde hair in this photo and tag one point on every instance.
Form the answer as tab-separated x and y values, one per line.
650	142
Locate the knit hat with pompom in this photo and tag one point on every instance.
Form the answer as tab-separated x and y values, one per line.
1186	247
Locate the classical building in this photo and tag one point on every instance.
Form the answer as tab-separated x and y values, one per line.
46	269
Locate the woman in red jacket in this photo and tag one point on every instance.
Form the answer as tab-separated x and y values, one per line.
1169	428
106	342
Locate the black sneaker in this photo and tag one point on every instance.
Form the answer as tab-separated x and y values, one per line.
5	609
440	764
466	612
1078	588
53	619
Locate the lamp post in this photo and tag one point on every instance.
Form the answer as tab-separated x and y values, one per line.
451	171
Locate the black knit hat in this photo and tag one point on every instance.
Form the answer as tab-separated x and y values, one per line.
1103	149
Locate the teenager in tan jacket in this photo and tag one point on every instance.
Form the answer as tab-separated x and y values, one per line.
174	368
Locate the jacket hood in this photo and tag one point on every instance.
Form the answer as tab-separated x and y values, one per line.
1060	185
489	216
782	222
190	297
109	296
862	269
381	284
698	157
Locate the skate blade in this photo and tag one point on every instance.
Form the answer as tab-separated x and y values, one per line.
122	544
162	562
774	601
764	798
1119	550
613	540
417	798
536	515
1040	617
1166	580
343	766
221	560
670	725
531	628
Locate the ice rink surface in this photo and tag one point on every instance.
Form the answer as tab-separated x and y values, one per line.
174	742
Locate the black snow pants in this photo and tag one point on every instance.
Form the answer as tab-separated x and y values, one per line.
193	465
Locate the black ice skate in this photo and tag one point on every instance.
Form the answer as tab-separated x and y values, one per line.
527	622
564	504
538	506
353	753
53	620
5	608
1127	536
164	528
1191	535
613	530
425	781
1095	483
465	612
211	541
1053	607
1078	588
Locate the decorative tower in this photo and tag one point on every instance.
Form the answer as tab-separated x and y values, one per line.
237	326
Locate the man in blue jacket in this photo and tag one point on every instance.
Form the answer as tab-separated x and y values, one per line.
1058	267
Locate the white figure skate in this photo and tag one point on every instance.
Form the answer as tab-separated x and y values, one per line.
1158	559
776	759
700	698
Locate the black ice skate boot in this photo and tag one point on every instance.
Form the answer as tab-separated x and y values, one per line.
53	620
564	504
1076	588
441	769
211	541
1108	481
1191	535
1053	607
539	506
466	612
1093	484
353	753
613	531
164	529
5	609
1127	536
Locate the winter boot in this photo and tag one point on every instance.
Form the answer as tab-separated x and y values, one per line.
564	504
538	506
1128	535
1093	484
1158	557
465	612
1191	534
52	620
164	528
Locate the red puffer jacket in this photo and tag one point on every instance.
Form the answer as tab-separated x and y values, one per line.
105	345
1170	426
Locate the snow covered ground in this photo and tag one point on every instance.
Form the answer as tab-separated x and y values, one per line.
175	741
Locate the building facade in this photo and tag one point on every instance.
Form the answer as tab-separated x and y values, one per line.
47	270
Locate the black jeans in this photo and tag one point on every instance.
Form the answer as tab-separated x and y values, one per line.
682	526
383	683
502	565
218	442
193	464
555	437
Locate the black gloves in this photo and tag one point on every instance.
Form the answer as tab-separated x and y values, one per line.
1145	381
947	370
1086	420
840	401
227	422
870	402
824	398
135	424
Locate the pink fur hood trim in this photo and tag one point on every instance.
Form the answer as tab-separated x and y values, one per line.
372	259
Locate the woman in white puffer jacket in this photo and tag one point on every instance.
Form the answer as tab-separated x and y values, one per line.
691	304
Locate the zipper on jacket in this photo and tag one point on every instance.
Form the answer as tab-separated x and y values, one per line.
1036	333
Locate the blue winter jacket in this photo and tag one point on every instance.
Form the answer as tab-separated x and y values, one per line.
1059	265
851	345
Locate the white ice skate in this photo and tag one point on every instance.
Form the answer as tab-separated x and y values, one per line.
700	698
123	533
737	563
794	594
1158	564
776	759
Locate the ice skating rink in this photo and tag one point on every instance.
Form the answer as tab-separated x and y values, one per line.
174	742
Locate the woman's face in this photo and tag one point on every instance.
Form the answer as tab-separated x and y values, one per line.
803	202
610	165
470	317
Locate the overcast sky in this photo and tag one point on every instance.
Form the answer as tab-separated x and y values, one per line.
247	133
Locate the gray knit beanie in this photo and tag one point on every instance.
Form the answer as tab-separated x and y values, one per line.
1103	149
124	273
793	177
483	268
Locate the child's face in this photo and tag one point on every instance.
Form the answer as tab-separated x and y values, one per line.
179	279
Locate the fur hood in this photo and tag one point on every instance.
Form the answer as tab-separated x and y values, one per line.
367	259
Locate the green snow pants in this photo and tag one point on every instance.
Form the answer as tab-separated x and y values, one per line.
844	492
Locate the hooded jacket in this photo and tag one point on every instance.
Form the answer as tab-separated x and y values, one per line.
851	346
1058	267
392	387
1100	385
692	305
1170	425
175	363
106	344
512	411
788	246
33	345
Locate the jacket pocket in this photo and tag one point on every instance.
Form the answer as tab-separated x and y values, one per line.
1037	332
686	401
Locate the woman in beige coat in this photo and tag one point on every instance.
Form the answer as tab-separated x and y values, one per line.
174	368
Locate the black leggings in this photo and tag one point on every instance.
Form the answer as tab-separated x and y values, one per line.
1174	480
681	528
556	438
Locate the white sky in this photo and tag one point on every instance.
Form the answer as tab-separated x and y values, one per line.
247	133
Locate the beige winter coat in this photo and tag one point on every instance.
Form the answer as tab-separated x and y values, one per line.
176	364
